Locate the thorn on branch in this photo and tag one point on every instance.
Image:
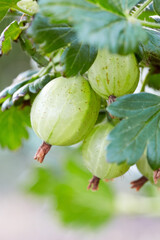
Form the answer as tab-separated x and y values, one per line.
42	151
94	183
138	184
156	176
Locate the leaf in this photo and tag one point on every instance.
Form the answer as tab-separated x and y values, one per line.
30	49
51	37
78	58
156	5
95	25
136	132
10	33
26	83
13	125
153	151
68	188
153	80
5	6
33	87
150	51
18	82
116	6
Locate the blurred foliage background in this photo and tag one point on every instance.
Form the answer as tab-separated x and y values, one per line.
59	188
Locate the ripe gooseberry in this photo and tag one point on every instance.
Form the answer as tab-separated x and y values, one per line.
94	153
113	74
146	170
65	111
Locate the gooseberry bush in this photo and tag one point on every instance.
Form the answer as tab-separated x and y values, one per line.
89	55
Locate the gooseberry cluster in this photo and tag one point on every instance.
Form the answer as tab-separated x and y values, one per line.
66	110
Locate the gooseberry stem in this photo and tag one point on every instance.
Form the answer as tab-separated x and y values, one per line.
138	184
156	176
111	99
42	152
94	183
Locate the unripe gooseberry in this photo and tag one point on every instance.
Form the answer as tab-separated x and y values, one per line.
146	170
113	74
65	111
94	154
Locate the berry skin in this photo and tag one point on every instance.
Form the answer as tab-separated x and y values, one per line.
113	74
146	170
65	111
94	154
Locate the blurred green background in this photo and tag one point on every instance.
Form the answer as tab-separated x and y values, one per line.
51	201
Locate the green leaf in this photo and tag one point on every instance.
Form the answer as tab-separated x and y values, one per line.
156	5
26	83
136	132
74	203
10	33
150	51
78	58
13	125
18	82
95	25
153	80
33	87
117	6
153	151
5	6
51	37
30	49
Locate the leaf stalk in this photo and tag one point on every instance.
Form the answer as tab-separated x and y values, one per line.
150	24
141	8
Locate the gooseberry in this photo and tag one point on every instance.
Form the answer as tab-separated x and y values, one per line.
94	153
146	170
113	74
65	111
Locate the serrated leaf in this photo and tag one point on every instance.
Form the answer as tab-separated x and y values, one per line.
156	5
33	87
51	37
133	134
5	5
11	32
81	207
150	51
13	125
95	25
30	49
155	18
7	104
19	81
78	58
